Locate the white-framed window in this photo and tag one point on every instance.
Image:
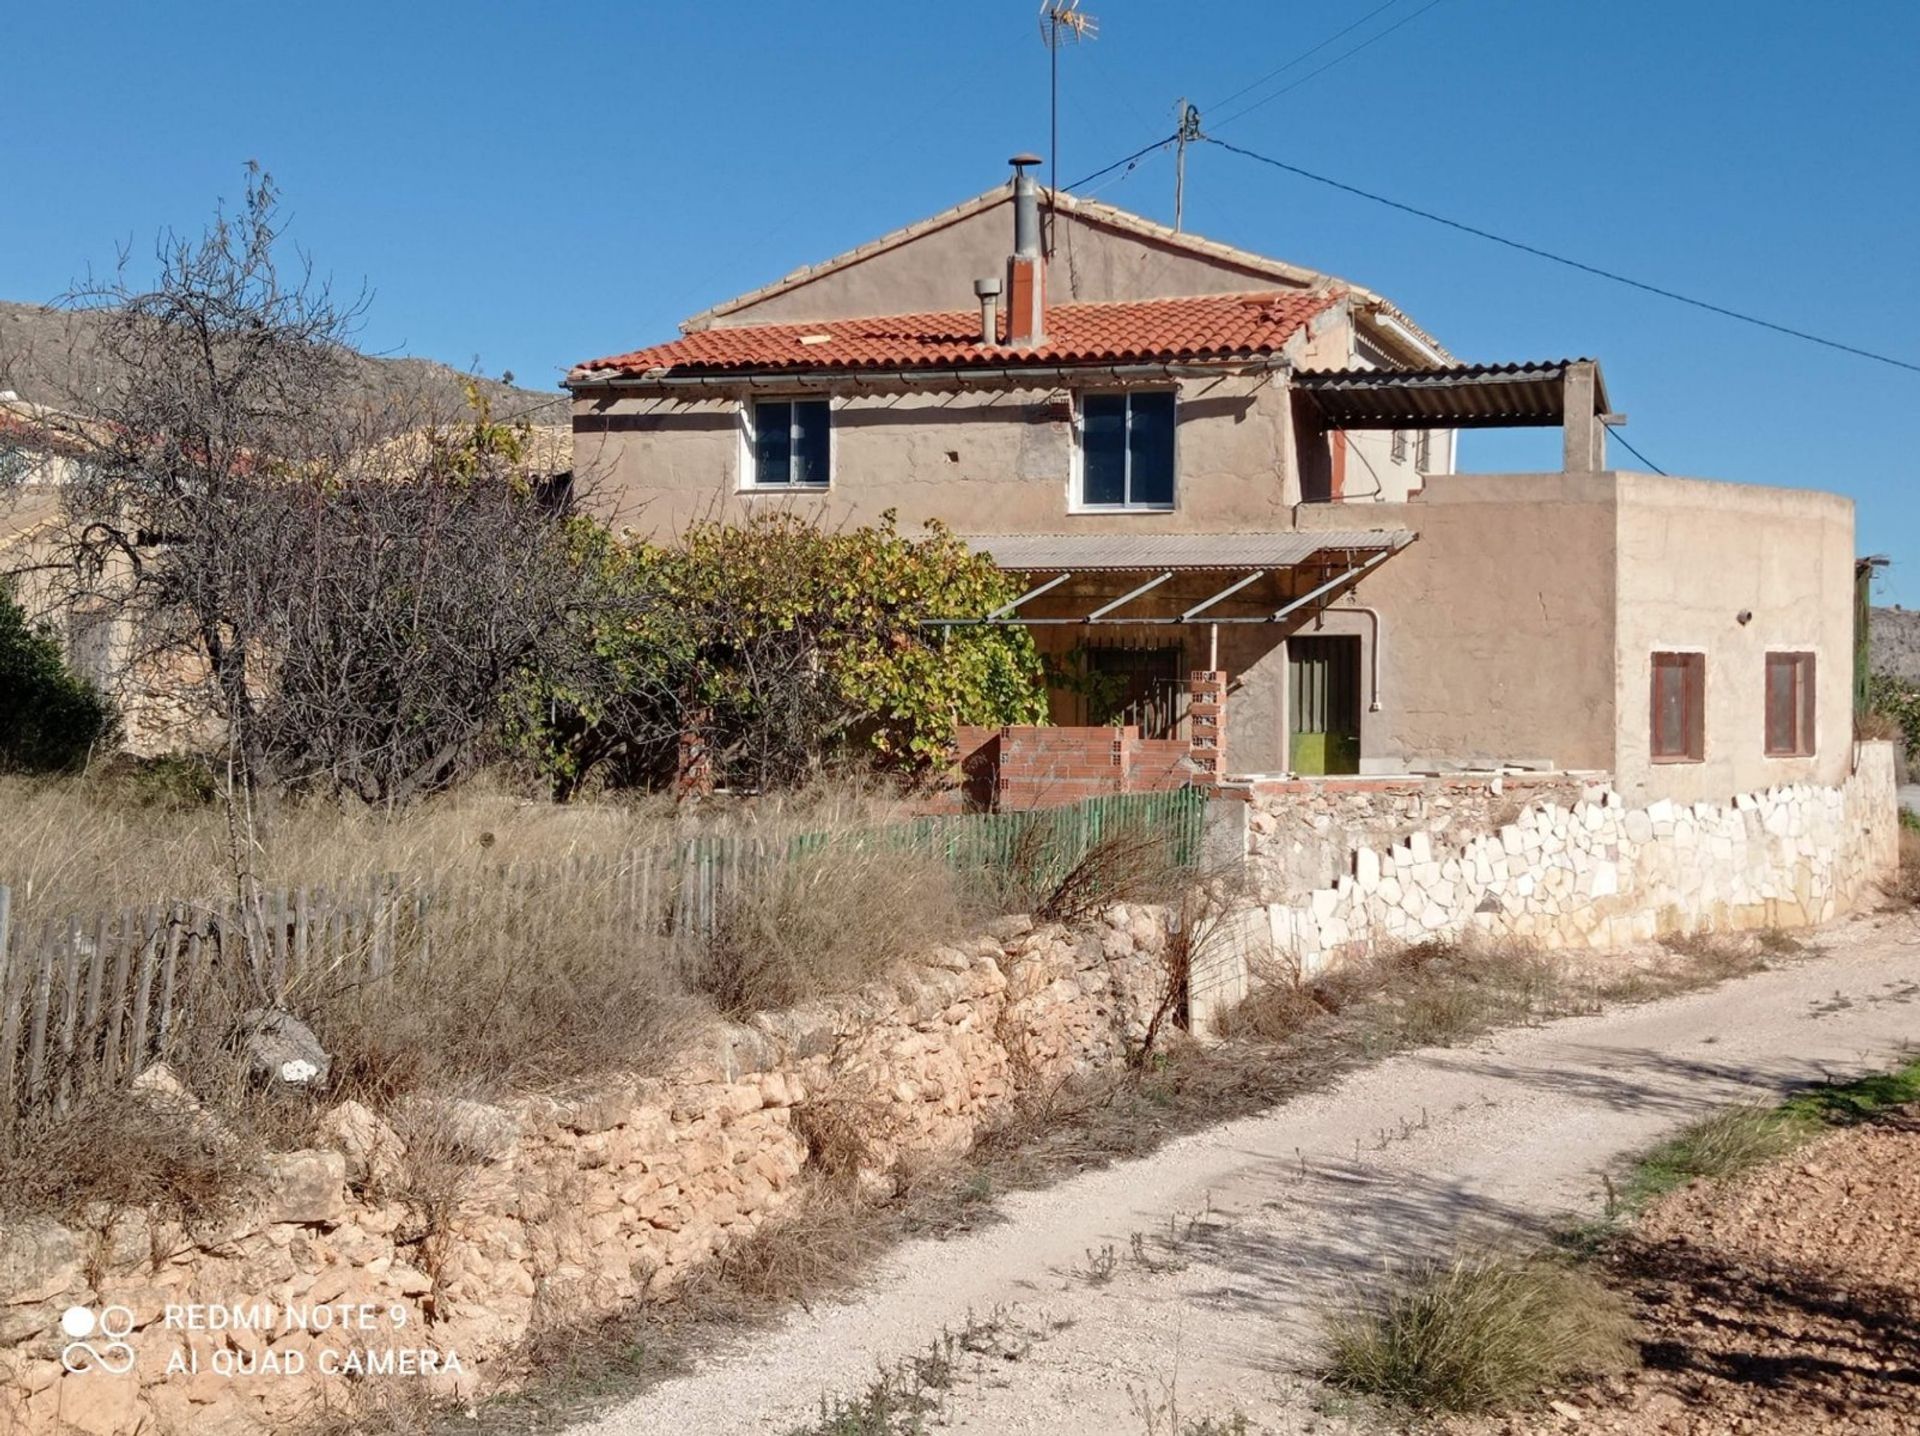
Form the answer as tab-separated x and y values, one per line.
1398	451
1126	451
789	443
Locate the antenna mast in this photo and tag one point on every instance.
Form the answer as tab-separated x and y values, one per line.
1061	23
1189	129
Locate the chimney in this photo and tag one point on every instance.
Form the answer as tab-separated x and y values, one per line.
987	291
1027	269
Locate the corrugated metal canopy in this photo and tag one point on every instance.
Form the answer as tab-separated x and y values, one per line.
1461	396
1089	553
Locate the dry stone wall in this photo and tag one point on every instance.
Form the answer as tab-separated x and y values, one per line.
1597	873
429	1258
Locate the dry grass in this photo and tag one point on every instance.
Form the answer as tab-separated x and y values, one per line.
1906	882
1424	995
534	992
829	923
1477	1333
138	833
497	990
1130	864
132	1152
1877	726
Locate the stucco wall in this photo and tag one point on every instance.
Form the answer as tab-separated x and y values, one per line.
935	270
1694	555
984	461
1495	626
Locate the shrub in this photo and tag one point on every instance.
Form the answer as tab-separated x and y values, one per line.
1477	1333
781	645
51	719
1894	699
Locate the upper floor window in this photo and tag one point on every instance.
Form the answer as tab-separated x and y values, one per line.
1398	451
789	441
1679	707
1126	450
1789	705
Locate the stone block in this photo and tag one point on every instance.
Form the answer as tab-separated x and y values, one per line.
306	1187
39	1260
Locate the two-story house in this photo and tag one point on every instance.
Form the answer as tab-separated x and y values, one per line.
1199	458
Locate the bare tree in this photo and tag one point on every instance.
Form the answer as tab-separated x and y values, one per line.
340	592
411	599
205	394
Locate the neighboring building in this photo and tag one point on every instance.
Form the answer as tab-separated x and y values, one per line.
1203	459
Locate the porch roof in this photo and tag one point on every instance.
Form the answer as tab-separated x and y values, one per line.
1331	560
1140	553
1460	396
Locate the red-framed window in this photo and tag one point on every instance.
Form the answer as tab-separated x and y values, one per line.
1679	729
1790	705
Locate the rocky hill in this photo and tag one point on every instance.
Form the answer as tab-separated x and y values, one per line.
1895	646
45	354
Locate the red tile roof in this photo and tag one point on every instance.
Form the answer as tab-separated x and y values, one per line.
17	432
1214	326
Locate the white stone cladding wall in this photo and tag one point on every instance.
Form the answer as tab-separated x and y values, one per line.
1302	833
571	1209
1600	874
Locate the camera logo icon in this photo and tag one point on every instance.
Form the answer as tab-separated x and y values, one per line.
112	1326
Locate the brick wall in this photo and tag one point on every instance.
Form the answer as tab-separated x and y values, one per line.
1009	769
1015	768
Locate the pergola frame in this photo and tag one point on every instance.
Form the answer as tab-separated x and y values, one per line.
1006	616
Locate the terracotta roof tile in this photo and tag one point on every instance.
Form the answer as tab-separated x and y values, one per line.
1214	326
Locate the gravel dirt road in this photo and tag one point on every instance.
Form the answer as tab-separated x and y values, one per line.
1249	1228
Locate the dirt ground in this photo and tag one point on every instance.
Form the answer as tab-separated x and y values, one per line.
1786	1300
1194	1278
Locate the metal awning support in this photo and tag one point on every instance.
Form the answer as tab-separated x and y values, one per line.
1227	592
1319	559
1004	609
1129	596
1339	581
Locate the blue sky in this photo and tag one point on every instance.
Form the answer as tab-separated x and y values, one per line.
524	186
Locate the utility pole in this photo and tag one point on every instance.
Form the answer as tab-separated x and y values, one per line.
1189	129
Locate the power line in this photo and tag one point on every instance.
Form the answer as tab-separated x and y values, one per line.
1303	55
1145	150
1337	59
1138	154
1562	259
1616	434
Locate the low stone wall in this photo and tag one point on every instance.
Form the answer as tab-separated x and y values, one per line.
553	1211
1600	874
1302	833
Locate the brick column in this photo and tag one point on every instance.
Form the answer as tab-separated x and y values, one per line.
1207	726
693	766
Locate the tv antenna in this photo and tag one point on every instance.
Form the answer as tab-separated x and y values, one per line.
1062	22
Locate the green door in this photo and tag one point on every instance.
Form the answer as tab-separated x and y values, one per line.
1323	705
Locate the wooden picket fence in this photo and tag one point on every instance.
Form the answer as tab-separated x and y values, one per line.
86	1002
